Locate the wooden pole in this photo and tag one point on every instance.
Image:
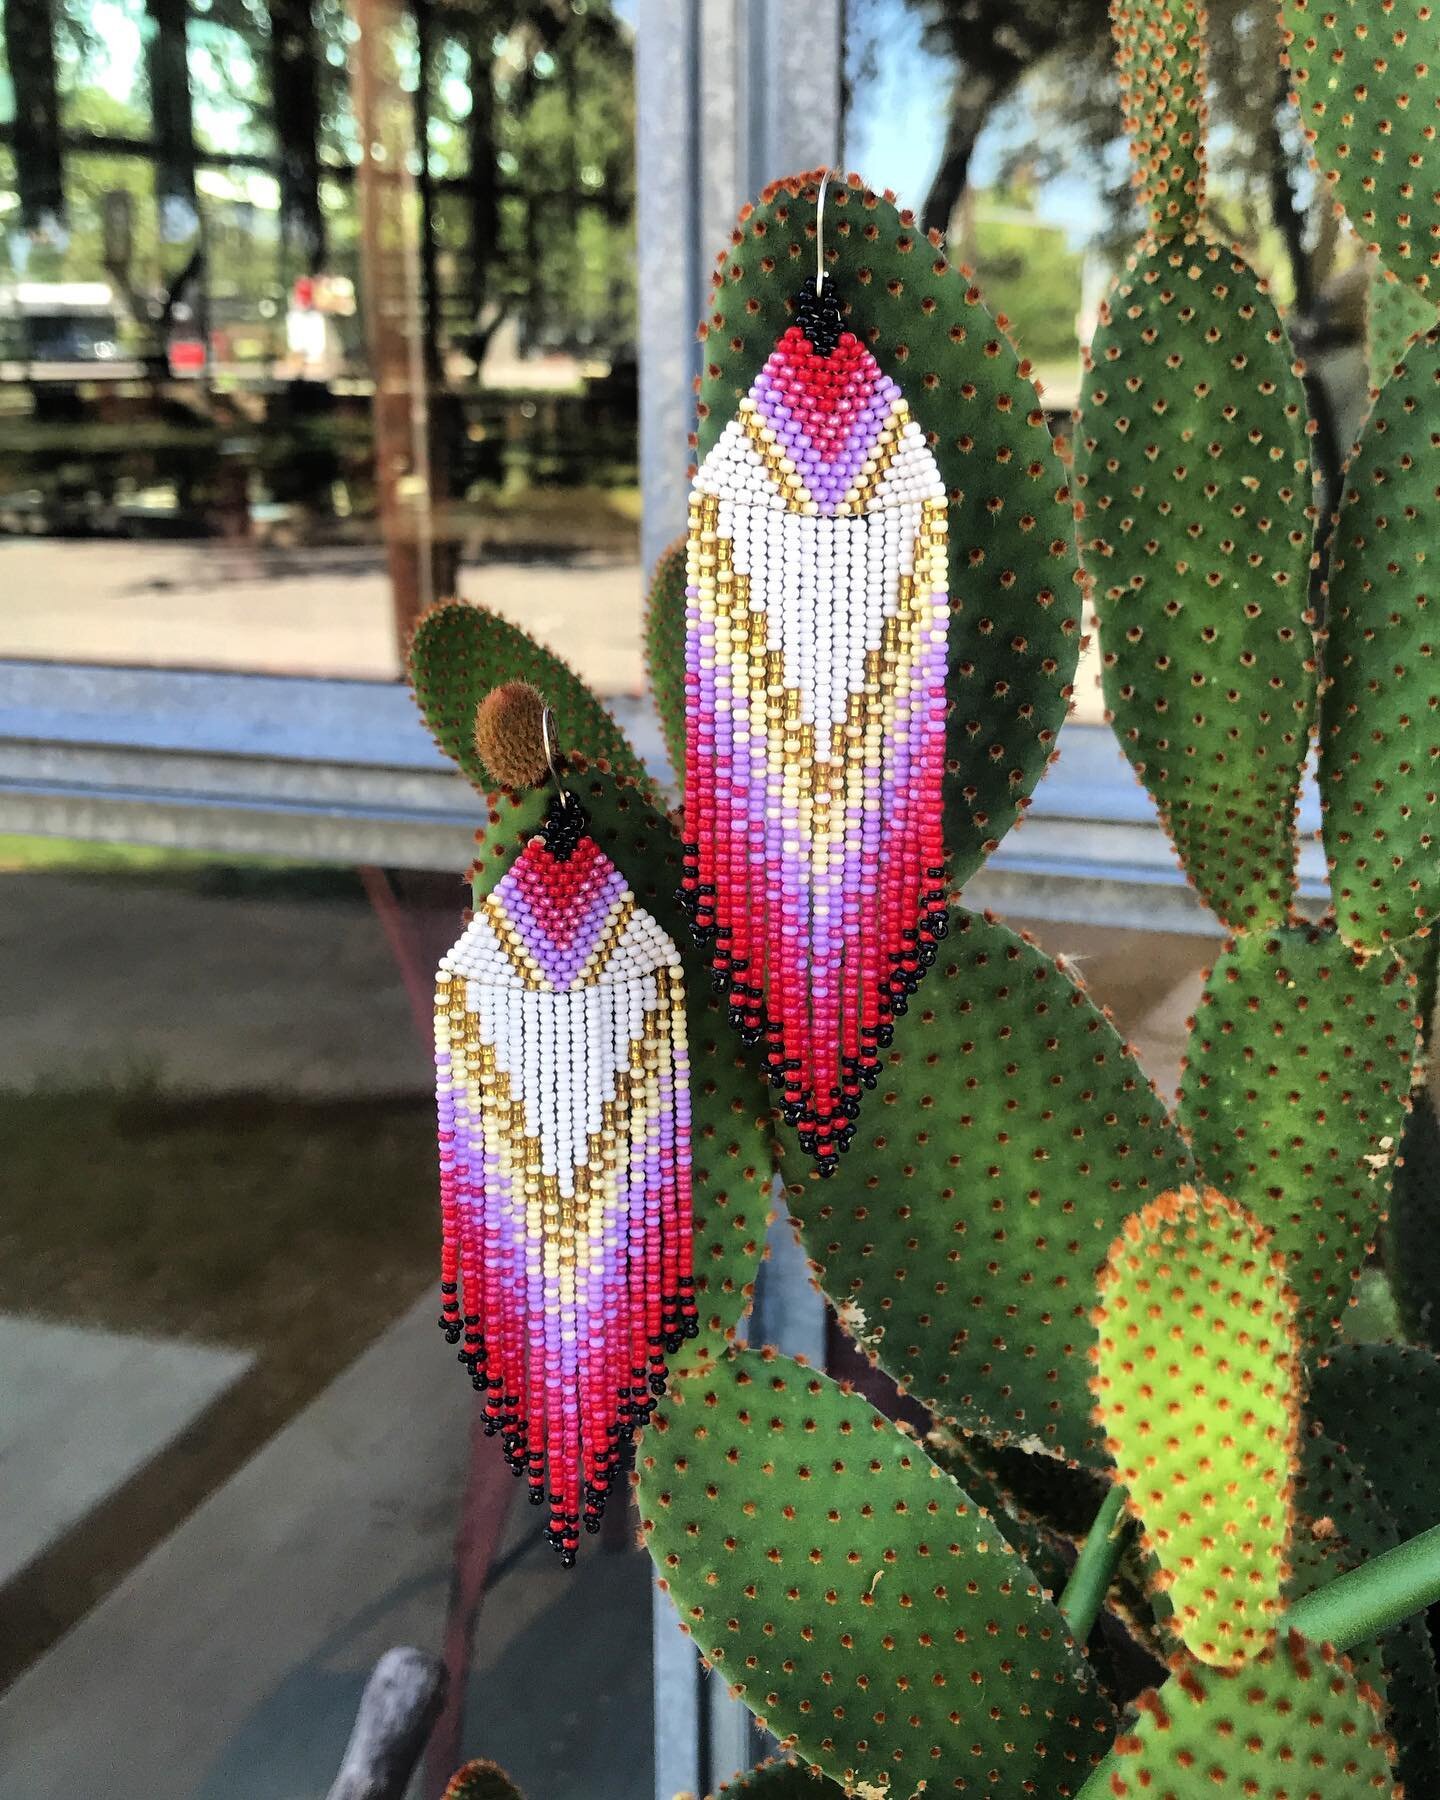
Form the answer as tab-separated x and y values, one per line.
409	479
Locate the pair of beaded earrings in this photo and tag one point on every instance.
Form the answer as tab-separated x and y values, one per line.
817	609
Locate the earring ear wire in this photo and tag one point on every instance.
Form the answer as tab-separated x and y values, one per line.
820	233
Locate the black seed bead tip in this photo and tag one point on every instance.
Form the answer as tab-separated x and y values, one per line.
818	315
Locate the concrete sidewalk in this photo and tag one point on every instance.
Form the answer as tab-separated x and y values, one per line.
216	605
118	1399
229	1664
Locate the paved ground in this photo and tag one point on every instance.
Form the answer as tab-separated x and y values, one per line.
121	981
80	1412
302	612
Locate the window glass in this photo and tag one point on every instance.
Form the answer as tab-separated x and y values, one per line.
194	245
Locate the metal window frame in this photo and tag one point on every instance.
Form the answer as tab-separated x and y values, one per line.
730	95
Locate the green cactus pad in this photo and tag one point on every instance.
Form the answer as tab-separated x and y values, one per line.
459	652
1195	478
1380	715
1294	1097
854	1596
1014	581
1009	1136
731	1141
1412	1232
1340	1525
1381	1402
1395	315
779	1780
481	1780
1197	1384
1294	1724
1363	77
665	651
1160	55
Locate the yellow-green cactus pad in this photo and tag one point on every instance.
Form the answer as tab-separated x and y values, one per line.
1380	713
731	1130
1160	56
854	1596
1363	76
1295	1724
1197	1382
1010	1135
1193	468
1294	1097
1014	579
459	652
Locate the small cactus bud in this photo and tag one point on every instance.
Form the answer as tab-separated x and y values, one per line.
510	737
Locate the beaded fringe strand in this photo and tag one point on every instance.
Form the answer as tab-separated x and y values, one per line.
562	1082
817	611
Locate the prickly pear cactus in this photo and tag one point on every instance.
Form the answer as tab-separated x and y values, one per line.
1298	1707
1395	315
1294	1097
481	1780
779	1780
1014	1135
1380	718
958	1602
1340	1525
460	652
1160	59
1194	474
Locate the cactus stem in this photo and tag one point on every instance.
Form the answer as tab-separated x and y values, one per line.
1090	1579
1358	1606
1350	1610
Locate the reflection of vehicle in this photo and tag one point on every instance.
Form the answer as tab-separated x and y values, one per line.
58	330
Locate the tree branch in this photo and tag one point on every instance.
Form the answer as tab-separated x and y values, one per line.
972	100
400	1704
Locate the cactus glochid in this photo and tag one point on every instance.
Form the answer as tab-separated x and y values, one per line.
1152	1523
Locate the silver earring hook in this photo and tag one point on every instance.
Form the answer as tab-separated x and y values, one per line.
820	233
548	740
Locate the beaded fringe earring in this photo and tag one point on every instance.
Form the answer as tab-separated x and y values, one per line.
816	618
562	1083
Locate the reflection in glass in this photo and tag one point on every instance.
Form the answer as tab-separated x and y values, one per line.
223	322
